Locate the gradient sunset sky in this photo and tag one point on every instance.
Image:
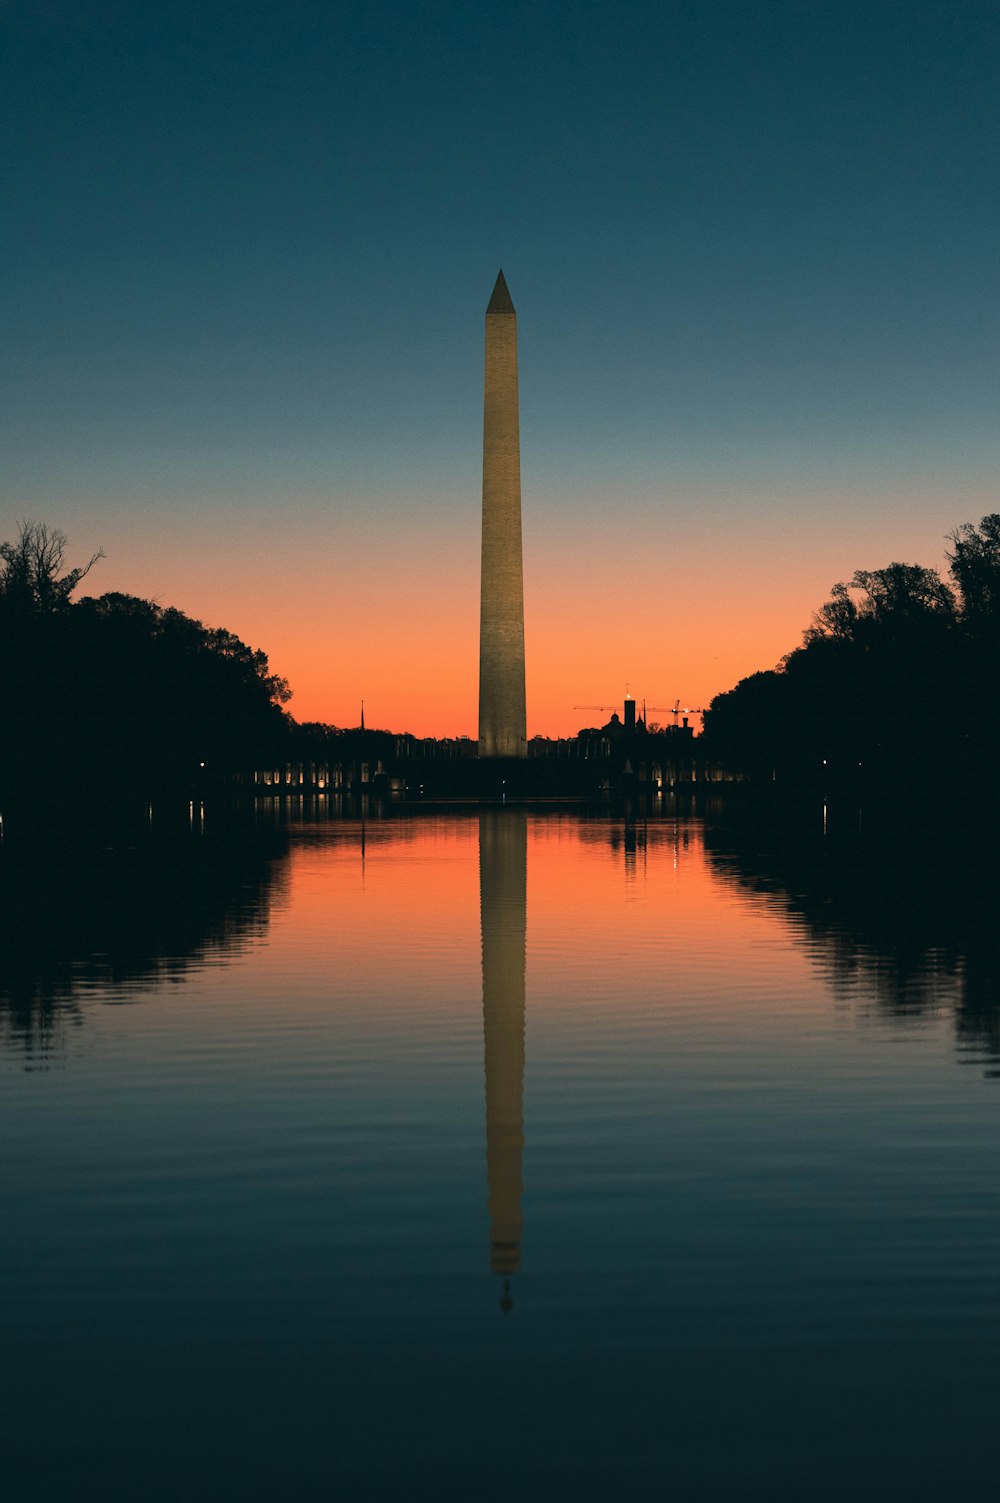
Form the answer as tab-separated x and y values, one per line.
247	252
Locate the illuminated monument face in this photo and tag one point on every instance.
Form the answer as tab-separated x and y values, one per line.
502	720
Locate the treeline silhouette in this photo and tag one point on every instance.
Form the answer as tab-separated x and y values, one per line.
895	909
896	684
116	919
896	681
116	692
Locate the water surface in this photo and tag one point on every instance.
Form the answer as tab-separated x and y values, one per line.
500	1154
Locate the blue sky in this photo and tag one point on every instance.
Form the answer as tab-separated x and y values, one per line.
753	250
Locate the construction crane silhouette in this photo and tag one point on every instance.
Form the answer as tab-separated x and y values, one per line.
602	708
676	710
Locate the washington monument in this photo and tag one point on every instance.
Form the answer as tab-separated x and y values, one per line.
502	719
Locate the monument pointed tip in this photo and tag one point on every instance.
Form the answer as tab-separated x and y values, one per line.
500	301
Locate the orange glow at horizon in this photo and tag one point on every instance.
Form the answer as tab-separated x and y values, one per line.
386	608
420	879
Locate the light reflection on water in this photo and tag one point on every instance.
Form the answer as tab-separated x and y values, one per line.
688	1101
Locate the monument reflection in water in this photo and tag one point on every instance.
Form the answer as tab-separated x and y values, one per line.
246	1222
503	871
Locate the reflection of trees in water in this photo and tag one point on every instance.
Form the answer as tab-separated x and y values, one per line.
908	909
113	921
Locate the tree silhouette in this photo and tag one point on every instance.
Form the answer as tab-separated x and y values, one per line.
117	693
975	568
30	579
891	599
896	682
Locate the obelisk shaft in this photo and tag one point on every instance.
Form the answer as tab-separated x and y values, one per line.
502	718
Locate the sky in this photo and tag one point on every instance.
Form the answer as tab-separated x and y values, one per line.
247	253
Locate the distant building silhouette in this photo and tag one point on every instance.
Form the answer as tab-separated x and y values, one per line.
502	716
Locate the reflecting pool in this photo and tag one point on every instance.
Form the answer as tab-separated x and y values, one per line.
499	1154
